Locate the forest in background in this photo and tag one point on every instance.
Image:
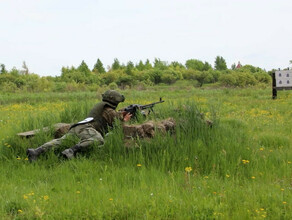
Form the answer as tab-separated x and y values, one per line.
130	75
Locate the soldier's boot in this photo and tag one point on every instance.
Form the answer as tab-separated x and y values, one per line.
33	154
71	152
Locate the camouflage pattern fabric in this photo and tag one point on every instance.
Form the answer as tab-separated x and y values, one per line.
110	115
86	132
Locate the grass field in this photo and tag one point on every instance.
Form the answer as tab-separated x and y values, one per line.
241	168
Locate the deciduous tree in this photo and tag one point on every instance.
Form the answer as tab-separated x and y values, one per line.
198	65
220	63
158	64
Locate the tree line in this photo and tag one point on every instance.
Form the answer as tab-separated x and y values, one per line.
128	75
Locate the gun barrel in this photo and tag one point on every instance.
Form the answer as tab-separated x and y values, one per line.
150	105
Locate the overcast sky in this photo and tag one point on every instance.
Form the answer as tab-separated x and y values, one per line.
49	34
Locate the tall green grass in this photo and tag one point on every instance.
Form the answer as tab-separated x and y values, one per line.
241	167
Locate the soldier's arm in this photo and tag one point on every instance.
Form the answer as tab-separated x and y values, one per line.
110	115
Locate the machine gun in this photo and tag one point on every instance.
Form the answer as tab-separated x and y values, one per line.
132	109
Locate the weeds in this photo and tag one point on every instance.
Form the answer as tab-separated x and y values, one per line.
239	168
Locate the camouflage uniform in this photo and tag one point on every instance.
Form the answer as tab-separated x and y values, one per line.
86	132
89	131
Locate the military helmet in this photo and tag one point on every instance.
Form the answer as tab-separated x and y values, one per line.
113	97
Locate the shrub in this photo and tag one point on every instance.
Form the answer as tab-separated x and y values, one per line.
8	87
59	87
189	74
170	76
155	75
113	85
245	79
125	80
227	80
263	77
108	77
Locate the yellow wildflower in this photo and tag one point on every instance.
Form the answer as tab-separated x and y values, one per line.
253	177
261	149
18	158
139	165
111	199
282	189
19	211
78	192
245	161
46	197
284	203
25	196
227	175
188	169
30	194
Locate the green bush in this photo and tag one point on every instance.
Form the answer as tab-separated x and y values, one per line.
109	77
155	75
125	80
227	80
263	77
59	87
245	79
113	85
170	76
81	78
8	87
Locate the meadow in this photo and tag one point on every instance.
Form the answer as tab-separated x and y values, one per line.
240	168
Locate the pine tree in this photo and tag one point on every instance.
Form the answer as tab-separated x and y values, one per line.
129	67
140	66
3	69
84	68
148	65
116	65
98	67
